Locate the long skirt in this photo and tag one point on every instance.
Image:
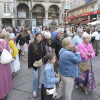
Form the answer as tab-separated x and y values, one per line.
86	79
44	96
6	82
15	65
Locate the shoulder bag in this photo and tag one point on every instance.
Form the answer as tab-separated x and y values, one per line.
5	57
85	66
39	62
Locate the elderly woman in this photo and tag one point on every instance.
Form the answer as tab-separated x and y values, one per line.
87	53
6	82
68	68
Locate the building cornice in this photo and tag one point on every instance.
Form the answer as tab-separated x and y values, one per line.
82	6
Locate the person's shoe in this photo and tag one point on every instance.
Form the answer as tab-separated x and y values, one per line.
86	92
34	94
76	87
39	87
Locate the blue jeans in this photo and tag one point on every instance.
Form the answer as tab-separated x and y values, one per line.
36	78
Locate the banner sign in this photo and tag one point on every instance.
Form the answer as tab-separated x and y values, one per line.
86	14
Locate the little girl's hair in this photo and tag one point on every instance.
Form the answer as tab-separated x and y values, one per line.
48	56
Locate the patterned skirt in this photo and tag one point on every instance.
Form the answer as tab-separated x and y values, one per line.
86	79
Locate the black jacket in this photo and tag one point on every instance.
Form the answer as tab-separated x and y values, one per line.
33	57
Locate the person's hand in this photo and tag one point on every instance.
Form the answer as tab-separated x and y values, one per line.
57	62
56	75
89	55
59	79
75	48
17	34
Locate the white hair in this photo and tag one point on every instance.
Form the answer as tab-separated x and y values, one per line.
86	35
79	29
60	30
66	42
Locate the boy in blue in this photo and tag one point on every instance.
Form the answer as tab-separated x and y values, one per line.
50	77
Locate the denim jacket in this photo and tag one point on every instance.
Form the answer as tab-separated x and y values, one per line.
49	78
68	63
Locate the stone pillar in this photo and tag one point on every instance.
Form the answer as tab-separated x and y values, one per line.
30	18
30	14
60	17
13	22
46	17
15	13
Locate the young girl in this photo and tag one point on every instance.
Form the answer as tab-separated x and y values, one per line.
35	53
49	79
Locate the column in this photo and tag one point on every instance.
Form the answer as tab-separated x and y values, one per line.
60	17
13	22
46	17
30	14
30	18
15	13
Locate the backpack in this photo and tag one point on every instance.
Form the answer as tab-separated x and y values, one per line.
22	41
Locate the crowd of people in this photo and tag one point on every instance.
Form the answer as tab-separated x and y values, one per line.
58	55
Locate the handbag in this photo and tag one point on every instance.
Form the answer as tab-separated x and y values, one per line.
51	91
85	66
37	63
5	57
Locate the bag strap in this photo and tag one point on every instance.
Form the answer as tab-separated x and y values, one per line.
4	46
41	48
1	47
61	52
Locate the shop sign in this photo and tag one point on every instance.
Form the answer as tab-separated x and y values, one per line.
21	14
86	14
84	10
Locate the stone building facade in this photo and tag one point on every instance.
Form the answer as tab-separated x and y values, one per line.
6	12
30	12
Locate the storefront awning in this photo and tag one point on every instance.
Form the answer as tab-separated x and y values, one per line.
86	14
